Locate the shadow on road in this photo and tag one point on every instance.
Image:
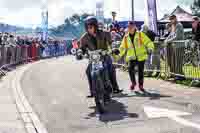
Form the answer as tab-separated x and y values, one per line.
115	111
150	95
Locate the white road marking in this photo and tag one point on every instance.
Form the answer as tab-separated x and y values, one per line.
153	112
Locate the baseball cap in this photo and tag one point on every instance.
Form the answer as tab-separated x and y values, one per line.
131	23
195	18
172	17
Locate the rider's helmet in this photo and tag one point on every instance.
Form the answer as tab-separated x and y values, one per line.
91	21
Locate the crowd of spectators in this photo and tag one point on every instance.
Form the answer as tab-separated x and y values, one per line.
18	48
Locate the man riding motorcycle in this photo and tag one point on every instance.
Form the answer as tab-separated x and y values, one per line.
95	39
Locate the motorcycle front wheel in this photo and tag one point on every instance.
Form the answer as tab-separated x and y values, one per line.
99	96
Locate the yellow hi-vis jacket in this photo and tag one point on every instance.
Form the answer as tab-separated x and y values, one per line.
138	50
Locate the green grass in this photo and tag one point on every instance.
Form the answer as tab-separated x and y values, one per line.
190	73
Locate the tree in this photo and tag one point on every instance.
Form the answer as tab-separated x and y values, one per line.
38	29
67	22
195	7
73	24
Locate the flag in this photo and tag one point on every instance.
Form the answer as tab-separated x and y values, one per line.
152	15
45	26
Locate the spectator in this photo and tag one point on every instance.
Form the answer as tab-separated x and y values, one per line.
12	41
4	49
62	48
74	46
75	43
196	29
115	36
0	38
168	30
122	32
5	39
69	46
177	32
11	51
56	45
175	52
34	50
42	46
111	27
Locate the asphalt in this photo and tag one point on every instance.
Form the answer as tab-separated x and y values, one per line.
57	90
10	117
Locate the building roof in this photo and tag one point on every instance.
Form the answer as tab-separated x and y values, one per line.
181	14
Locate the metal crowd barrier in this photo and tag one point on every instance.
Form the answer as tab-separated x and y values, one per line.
176	59
12	55
179	58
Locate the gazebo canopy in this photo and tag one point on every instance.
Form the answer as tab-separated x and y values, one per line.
181	14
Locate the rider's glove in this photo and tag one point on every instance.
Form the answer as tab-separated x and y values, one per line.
79	54
116	51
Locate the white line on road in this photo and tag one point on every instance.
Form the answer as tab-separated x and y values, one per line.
23	103
185	122
153	112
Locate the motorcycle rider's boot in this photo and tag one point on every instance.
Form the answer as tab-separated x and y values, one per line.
90	96
117	91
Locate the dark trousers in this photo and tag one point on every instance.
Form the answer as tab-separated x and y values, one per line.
175	59
111	72
56	50
131	68
89	76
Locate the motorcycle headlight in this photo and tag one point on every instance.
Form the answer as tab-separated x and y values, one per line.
73	51
95	57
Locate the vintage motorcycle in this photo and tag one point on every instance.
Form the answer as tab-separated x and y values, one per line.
101	84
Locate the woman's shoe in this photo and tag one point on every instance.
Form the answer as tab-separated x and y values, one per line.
132	87
143	90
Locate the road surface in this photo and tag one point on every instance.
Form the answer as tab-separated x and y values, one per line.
57	90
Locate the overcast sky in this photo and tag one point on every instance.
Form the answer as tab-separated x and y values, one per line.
28	12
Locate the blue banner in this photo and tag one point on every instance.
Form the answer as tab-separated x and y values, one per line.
152	15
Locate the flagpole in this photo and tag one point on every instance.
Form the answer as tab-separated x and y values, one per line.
132	7
146	19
